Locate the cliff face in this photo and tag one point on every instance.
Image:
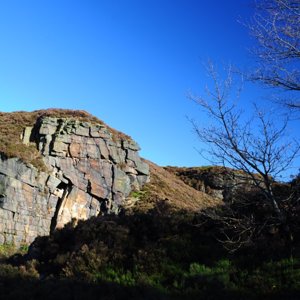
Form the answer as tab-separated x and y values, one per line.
88	171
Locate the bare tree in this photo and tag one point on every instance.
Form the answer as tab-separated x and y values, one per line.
276	28
235	230
257	146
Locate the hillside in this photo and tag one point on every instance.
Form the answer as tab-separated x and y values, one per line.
93	220
166	187
219	182
59	165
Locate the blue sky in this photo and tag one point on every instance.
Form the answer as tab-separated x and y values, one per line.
130	63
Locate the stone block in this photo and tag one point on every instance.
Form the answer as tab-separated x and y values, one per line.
26	135
77	150
103	148
82	130
6	215
19	227
95	206
96	130
47	129
59	148
129	144
93	151
52	183
117	154
9	204
121	182
132	155
142	179
142	167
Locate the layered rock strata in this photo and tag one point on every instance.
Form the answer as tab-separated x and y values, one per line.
90	172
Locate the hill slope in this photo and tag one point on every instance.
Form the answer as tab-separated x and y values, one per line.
166	187
58	165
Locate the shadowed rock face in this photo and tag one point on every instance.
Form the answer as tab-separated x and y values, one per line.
89	173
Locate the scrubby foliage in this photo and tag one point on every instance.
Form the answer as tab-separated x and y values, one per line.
13	124
161	254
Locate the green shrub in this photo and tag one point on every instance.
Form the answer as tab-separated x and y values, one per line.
7	250
119	276
161	252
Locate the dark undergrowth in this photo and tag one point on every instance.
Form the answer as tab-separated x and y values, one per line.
161	254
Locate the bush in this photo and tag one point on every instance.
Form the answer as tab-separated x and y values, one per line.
165	253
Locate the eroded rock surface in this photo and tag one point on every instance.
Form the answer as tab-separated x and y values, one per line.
90	172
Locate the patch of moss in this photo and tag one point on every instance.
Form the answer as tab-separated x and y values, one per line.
138	194
8	249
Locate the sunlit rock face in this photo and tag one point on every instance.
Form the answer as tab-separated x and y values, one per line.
90	172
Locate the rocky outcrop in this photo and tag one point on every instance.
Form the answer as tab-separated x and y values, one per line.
219	182
89	172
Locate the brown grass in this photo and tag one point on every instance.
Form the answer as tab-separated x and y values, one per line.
165	186
12	125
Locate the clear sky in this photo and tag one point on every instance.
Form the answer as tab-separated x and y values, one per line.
128	62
